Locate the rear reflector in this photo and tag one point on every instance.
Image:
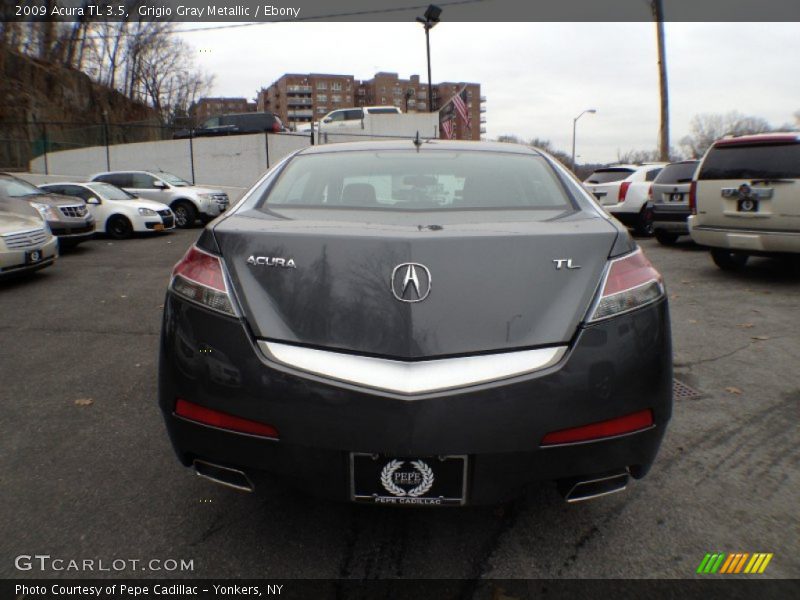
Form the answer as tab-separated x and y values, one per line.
631	282
207	416
637	421
623	191
693	197
199	277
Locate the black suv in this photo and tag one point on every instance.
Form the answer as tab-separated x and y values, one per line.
235	124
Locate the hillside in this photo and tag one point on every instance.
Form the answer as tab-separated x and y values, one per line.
69	104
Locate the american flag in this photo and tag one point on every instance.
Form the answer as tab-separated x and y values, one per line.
447	129
460	103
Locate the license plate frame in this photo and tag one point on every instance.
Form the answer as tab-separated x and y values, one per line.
394	480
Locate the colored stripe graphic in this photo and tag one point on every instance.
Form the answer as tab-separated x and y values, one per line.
734	563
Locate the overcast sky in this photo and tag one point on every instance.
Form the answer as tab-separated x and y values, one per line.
538	76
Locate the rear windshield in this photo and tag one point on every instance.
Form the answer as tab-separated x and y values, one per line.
433	180
677	173
608	175
773	161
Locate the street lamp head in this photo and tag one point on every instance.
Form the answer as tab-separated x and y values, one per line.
432	14
592	110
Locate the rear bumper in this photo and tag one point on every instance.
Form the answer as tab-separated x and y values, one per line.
612	369
746	240
671	219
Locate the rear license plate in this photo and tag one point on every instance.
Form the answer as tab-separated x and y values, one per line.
676	197
33	257
426	481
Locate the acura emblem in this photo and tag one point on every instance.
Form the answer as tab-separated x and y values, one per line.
411	282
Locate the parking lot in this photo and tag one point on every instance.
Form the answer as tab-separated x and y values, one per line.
88	471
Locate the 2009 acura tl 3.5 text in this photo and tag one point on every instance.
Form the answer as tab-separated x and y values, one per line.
424	323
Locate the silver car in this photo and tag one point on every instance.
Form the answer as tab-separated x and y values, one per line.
669	196
188	202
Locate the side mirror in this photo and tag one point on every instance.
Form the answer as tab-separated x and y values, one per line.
328	120
159	185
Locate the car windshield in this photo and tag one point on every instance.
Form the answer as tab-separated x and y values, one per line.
608	175
16	188
677	173
411	180
764	161
110	192
172	179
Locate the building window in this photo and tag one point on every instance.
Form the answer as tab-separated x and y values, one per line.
322	85
383	99
321	110
336	98
322	97
383	89
336	86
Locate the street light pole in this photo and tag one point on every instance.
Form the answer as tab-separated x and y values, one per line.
574	128
429	21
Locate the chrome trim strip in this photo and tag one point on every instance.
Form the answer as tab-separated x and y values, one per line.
412	377
744	231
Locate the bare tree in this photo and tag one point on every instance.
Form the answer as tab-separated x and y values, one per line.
707	128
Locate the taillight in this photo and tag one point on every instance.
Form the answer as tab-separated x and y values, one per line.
276	128
199	277
630	282
623	191
637	421
207	416
693	197
650	193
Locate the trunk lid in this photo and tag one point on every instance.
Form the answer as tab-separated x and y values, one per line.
494	283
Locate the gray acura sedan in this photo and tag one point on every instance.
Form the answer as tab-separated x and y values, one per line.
421	323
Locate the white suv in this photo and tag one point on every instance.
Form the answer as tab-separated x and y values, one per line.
623	191
188	202
745	198
347	117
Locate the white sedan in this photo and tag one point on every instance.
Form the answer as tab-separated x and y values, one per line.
117	212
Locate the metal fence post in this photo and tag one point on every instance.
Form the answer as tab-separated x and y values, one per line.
312	131
105	136
191	152
266	146
44	135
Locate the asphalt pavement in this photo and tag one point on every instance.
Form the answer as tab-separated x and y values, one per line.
87	471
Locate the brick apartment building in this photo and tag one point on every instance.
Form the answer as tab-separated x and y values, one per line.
210	107
299	98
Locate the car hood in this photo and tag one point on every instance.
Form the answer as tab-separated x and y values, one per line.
12	222
54	199
200	190
494	285
138	203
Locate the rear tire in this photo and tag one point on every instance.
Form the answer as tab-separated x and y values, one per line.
727	260
665	238
185	214
644	226
119	227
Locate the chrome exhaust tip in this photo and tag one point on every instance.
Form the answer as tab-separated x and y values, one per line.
588	488
232	478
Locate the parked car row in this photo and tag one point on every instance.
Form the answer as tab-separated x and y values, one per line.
741	199
36	222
